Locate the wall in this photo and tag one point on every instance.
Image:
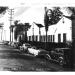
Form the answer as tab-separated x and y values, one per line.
36	31
60	28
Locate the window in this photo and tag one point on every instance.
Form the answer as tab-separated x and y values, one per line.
36	38
59	38
32	38
41	38
64	37
44	38
29	38
48	38
53	38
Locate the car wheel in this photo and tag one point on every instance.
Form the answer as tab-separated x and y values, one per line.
47	56
21	48
61	61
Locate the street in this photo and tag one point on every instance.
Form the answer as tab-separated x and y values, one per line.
13	60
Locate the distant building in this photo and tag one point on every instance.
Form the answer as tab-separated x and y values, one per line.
34	33
60	32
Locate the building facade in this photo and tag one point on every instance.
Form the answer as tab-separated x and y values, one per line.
59	33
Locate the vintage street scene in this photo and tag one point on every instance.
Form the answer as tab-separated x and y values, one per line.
37	37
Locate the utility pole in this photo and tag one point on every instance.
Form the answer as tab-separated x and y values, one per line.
11	19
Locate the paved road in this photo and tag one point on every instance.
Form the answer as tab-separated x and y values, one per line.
12	60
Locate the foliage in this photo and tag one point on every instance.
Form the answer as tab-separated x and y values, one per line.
72	9
2	9
55	16
20	28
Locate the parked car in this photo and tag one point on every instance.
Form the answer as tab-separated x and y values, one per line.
18	45
5	42
33	50
60	55
9	43
12	44
15	44
39	52
25	47
44	53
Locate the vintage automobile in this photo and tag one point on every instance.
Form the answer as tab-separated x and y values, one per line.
9	43
5	42
43	53
39	52
25	47
60	55
33	50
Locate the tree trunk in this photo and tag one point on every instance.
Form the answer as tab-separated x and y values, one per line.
46	41
25	36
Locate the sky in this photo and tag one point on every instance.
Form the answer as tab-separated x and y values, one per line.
15	3
29	10
30	14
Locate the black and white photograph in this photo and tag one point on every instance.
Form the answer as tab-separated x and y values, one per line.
37	36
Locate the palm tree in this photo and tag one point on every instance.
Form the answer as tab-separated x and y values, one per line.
51	17
46	22
18	29
25	28
21	29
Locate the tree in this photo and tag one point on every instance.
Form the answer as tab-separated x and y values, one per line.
71	45
11	28
56	16
21	29
3	10
51	17
18	30
26	27
72	53
72	9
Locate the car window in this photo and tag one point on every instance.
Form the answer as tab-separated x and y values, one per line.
27	45
34	47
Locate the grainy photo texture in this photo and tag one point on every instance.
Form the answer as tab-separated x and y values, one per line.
37	38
